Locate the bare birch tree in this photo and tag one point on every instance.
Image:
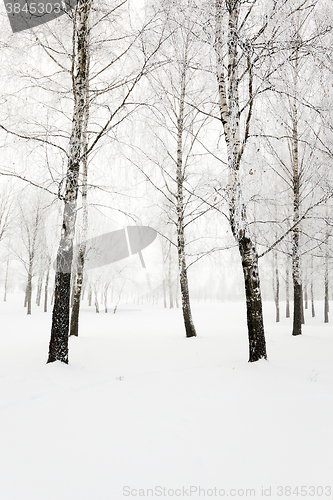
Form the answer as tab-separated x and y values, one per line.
31	225
177	125
58	348
235	63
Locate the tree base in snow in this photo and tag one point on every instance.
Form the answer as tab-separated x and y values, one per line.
58	348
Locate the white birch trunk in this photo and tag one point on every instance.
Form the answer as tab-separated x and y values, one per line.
296	265
58	348
228	86
180	175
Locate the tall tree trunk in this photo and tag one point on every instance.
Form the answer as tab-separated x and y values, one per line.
287	294
74	327
39	286
46	286
313	312
326	283
180	175
297	318
29	289
96	299
58	348
296	266
276	287
106	289
228	87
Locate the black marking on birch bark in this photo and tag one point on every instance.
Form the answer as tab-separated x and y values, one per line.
58	348
257	343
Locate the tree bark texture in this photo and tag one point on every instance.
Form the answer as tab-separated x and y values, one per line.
58	348
228	87
74	326
180	177
296	264
255	324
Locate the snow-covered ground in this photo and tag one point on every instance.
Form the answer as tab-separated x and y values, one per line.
141	411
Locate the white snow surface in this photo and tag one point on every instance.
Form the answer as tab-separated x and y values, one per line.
143	412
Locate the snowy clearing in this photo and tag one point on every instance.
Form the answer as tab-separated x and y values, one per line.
143	411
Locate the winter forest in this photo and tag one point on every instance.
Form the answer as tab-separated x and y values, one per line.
166	234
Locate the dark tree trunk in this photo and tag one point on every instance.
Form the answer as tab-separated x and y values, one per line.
297	320
255	324
58	348
186	306
89	296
